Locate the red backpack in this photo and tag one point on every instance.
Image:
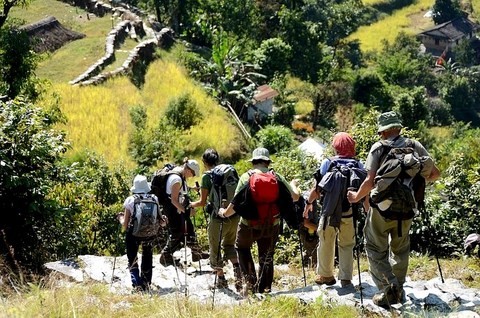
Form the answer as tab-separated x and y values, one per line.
265	192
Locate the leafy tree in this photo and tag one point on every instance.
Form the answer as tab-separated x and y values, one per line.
412	107
7	5
465	54
370	88
462	93
446	10
275	138
272	56
17	64
30	152
182	112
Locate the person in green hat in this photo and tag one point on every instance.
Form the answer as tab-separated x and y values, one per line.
387	242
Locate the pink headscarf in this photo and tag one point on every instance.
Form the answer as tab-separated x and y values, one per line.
344	145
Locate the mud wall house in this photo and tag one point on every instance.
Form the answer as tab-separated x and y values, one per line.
442	38
263	102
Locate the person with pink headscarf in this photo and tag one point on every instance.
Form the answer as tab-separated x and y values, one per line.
338	227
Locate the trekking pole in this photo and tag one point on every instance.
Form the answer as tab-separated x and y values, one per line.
218	257
116	248
301	258
422	209
185	233
357	247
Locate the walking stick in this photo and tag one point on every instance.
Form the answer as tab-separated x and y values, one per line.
423	210
116	247
301	258
218	257
357	247
185	233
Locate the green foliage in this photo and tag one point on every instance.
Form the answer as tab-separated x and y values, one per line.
462	92
275	138
465	53
182	112
148	145
364	132
411	106
370	88
272	56
30	151
446	10
17	64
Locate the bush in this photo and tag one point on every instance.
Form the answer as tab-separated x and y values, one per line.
30	151
182	112
275	138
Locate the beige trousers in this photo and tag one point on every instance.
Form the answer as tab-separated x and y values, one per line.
345	237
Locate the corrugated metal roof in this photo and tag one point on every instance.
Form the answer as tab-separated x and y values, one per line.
264	92
452	30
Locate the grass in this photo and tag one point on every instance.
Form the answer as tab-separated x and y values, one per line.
408	19
53	297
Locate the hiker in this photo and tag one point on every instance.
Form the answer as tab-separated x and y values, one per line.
387	241
336	218
178	210
221	232
308	230
134	236
260	220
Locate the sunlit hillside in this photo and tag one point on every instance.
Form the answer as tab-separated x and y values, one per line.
98	116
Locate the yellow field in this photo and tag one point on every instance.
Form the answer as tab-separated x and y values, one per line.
409	19
98	116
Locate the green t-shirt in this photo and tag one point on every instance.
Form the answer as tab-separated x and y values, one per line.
207	184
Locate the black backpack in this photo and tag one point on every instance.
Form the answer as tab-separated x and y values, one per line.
145	220
224	183
159	183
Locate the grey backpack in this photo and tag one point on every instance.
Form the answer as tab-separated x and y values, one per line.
145	220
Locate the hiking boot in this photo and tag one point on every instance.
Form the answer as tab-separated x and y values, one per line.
345	283
238	278
327	280
389	296
221	282
167	259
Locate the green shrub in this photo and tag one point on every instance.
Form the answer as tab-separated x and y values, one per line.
275	138
182	112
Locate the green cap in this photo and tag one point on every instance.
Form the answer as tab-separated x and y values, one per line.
388	120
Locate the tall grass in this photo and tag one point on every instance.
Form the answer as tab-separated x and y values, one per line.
94	300
98	116
409	19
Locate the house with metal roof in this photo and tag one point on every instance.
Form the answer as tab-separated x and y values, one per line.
262	103
444	37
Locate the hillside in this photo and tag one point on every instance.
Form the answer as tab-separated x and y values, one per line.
98	116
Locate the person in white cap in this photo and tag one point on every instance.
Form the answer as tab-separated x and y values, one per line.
178	212
140	279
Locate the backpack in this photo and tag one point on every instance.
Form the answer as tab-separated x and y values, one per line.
264	189
159	183
224	183
400	181
343	174
145	221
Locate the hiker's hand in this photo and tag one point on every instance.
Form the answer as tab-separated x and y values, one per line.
164	221
352	196
308	208
221	212
121	217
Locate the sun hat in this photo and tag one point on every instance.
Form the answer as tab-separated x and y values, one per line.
140	184
344	144
193	164
388	120
260	154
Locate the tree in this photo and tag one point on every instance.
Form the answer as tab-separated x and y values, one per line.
30	151
17	64
273	56
446	10
465	54
7	5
